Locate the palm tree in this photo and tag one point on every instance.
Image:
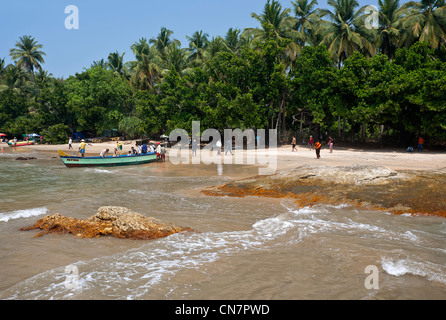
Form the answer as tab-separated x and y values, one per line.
163	40
344	32
175	57
28	55
306	19
99	63
232	40
2	66
15	79
197	46
216	45
425	21
277	23
115	62
389	32
146	70
273	15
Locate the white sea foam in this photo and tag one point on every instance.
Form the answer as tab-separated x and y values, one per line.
135	273
25	213
98	170
401	267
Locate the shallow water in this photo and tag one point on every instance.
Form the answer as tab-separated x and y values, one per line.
246	248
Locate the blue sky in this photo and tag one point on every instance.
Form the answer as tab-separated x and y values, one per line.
109	26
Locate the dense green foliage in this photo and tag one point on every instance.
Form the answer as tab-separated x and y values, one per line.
303	71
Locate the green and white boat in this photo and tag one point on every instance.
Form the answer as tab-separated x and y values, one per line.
122	160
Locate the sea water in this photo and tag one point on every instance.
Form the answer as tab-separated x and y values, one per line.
243	248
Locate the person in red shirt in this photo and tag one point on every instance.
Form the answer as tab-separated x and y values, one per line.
311	143
318	146
420	144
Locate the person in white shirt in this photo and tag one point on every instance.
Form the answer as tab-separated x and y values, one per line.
104	153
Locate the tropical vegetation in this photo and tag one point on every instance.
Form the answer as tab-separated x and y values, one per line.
303	70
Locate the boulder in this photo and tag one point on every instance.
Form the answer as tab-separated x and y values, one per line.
119	222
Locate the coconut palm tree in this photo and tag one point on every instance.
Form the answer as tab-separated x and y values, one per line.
216	45
99	63
389	32
163	39
344	31
278	23
306	20
175	57
425	21
15	79
197	46
28	55
273	15
115	62
146	68
233	40
2	66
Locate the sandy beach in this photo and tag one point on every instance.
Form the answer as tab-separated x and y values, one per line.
286	159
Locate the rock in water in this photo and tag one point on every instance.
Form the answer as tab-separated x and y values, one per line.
398	192
118	222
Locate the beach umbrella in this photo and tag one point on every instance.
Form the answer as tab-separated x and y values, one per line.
2	135
34	135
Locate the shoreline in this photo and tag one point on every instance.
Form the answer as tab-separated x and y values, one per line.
286	159
394	181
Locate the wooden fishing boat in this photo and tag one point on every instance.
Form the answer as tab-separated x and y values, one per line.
122	160
20	143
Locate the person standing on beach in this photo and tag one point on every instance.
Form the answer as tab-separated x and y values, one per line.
420	144
293	144
82	148
330	144
218	144
194	147
318	146
70	141
228	147
158	152
311	143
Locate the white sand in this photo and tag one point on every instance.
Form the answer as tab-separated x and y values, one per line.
286	159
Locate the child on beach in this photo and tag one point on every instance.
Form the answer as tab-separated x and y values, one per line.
318	146
293	144
330	144
311	143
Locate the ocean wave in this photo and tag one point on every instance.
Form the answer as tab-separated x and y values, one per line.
24	213
134	274
96	170
401	267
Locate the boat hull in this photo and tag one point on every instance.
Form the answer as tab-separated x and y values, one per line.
20	143
74	162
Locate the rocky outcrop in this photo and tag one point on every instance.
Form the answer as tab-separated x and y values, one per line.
117	222
413	192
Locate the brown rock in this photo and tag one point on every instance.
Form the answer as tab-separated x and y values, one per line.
118	222
398	192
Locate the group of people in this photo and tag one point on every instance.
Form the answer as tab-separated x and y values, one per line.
419	147
139	150
314	145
